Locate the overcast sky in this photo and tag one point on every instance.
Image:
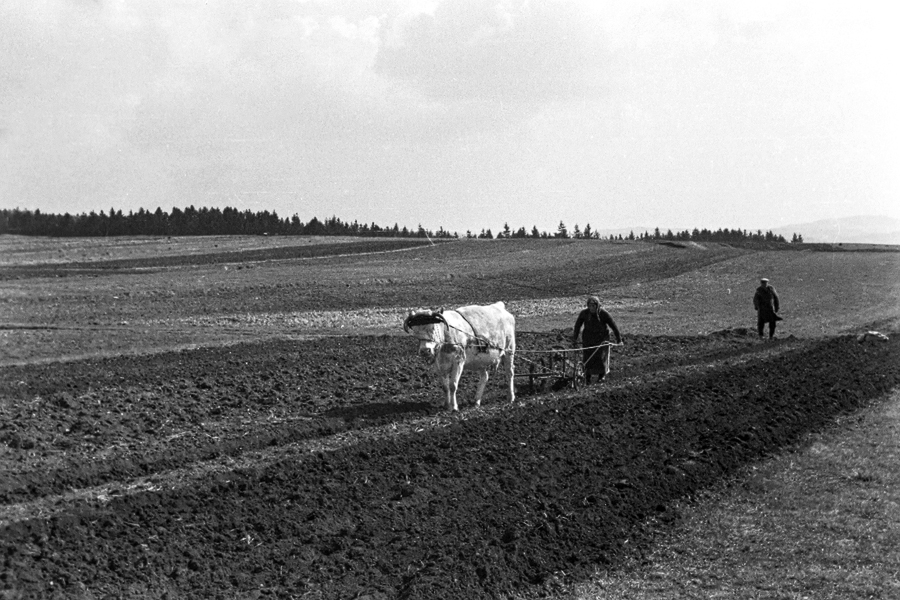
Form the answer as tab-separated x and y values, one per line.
461	114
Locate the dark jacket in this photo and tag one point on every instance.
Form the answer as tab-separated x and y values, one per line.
765	301
596	328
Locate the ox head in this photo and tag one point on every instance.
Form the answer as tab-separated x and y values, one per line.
427	326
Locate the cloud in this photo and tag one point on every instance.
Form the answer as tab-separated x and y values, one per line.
487	51
374	108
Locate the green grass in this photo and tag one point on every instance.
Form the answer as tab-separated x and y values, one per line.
820	522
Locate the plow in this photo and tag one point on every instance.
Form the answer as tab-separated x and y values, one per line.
557	367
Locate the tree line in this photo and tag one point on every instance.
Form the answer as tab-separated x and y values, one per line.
696	235
231	221
192	221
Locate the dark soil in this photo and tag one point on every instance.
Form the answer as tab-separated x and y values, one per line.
351	482
326	468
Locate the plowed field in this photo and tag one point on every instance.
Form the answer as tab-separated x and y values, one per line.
237	457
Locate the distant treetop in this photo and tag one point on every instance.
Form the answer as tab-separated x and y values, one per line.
193	221
231	221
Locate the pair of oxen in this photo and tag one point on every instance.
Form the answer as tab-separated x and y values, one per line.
481	338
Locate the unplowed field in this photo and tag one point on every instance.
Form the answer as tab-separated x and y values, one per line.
237	459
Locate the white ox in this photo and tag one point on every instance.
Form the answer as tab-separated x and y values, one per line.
871	336
478	337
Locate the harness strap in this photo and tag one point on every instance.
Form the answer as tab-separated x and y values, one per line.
482	345
423	319
434	318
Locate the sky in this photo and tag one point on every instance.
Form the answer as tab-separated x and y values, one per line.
464	115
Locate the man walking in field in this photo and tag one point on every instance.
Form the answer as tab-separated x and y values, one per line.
765	302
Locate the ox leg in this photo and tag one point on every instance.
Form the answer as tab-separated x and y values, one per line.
445	385
482	383
452	386
510	369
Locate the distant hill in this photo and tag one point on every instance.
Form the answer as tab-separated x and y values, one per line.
864	229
